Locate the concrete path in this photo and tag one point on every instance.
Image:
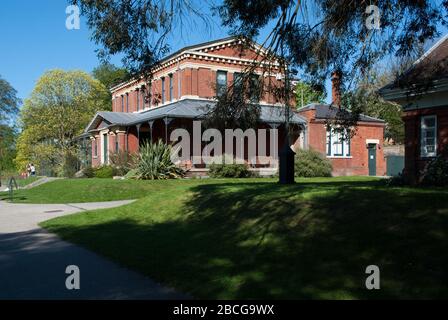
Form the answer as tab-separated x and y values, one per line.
40	181
33	261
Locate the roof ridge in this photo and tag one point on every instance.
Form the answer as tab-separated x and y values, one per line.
187	48
430	50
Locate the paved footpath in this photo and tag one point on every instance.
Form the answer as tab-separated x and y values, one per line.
33	261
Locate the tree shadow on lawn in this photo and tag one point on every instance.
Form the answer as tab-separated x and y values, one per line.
264	240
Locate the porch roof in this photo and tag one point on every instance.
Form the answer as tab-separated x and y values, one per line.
188	108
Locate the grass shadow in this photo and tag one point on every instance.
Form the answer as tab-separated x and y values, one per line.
263	240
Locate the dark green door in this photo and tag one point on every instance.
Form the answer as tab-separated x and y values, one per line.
106	148
372	159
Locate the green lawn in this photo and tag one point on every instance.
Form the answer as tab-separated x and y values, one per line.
89	190
257	239
20	182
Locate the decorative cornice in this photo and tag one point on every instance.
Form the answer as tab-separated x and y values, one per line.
203	53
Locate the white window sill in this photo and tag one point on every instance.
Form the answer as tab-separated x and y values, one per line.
340	157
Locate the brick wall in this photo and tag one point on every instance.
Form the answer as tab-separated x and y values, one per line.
96	159
197	77
357	164
413	162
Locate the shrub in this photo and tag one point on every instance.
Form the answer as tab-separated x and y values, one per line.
105	172
397	181
123	161
229	171
435	173
310	163
131	174
153	162
88	172
69	165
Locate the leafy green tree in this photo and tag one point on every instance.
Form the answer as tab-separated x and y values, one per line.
110	75
374	105
59	108
9	108
7	147
366	93
9	102
306	94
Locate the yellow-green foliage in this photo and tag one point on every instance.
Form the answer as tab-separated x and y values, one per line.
59	108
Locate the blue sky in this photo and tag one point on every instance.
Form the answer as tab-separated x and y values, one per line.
34	39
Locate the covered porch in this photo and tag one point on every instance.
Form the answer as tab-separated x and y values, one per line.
113	132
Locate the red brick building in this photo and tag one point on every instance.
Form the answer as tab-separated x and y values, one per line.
357	153
423	94
183	84
189	80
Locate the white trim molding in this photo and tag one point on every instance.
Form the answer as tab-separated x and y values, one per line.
372	141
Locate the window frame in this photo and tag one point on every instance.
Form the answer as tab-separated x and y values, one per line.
345	143
127	101
349	146
340	142
254	88
219	86
328	142
171	88
163	90
424	154
137	92
237	83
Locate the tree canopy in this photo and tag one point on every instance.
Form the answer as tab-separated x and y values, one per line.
9	102
7	147
110	75
312	39
9	108
306	94
316	36
59	108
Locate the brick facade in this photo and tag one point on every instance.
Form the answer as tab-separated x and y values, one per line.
193	74
429	72
414	162
357	163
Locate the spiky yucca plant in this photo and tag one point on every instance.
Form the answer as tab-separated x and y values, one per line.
154	163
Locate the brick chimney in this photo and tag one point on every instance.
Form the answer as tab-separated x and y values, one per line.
336	78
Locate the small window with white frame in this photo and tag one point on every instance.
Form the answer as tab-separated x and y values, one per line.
428	136
221	83
338	143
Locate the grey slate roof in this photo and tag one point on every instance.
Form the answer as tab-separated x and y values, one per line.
325	111
111	118
188	108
